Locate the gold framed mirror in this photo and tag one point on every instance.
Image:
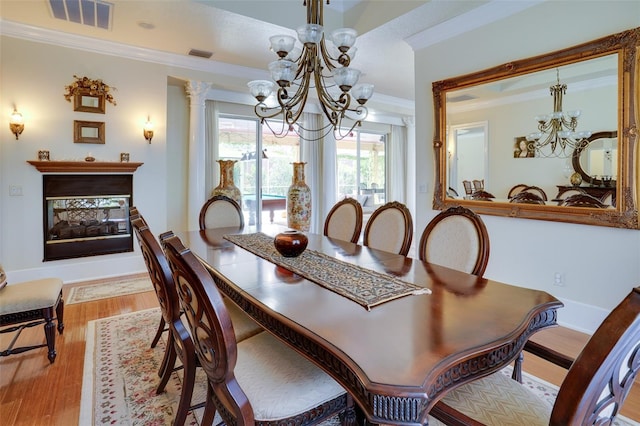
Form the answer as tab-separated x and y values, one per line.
88	132
84	101
493	110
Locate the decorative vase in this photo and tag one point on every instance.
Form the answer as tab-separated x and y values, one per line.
227	187
575	179
299	201
290	243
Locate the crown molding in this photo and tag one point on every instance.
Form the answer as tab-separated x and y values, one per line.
89	44
490	12
95	45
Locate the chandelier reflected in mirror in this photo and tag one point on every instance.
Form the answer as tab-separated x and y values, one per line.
557	135
321	64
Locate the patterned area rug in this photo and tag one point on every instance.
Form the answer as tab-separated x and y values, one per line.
108	289
364	286
121	375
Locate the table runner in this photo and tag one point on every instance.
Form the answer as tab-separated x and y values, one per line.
364	286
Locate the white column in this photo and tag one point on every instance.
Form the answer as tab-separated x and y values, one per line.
410	189
196	192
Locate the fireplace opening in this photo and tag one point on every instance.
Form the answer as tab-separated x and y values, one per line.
86	215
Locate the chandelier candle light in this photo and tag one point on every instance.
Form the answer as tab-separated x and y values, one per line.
299	70
558	128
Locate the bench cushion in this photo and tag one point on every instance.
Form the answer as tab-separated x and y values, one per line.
29	295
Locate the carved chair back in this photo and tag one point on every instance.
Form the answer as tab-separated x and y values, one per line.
344	221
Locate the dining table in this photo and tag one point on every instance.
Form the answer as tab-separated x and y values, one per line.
396	332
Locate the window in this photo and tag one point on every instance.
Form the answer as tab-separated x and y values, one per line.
362	168
258	154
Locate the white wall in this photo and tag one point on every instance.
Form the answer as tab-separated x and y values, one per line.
599	265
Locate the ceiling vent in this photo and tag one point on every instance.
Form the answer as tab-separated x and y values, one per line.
94	13
200	53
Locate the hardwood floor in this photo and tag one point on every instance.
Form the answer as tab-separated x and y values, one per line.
33	392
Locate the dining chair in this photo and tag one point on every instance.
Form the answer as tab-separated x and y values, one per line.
607	198
536	190
452	193
563	194
468	188
220	211
526	197
162	326
478	184
592	393
456	238
259	380
390	228
516	189
344	221
482	195
583	200
179	343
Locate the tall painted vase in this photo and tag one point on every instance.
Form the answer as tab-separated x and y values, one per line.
227	187
299	201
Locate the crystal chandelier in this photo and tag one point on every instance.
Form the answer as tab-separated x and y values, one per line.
558	129
321	65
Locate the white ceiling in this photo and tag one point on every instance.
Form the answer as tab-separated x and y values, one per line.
237	31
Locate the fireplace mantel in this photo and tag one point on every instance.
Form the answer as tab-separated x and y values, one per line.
84	166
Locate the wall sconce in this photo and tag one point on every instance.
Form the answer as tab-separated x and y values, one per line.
16	123
148	130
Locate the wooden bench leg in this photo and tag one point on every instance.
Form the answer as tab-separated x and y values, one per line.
50	333
60	314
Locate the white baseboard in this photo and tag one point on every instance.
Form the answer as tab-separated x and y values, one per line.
84	269
580	316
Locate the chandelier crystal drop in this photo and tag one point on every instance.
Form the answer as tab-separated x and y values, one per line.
557	135
321	64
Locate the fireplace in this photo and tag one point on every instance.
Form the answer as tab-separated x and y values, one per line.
86	215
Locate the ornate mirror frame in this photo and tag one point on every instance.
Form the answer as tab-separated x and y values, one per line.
625	215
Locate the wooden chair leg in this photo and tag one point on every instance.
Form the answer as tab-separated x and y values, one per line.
168	363
188	382
60	315
161	329
209	408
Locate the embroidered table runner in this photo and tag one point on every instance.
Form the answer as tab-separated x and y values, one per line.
364	286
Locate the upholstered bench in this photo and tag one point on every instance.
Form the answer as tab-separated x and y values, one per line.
28	304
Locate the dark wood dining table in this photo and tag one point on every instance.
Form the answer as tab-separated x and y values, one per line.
400	357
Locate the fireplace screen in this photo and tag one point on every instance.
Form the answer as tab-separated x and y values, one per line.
86	215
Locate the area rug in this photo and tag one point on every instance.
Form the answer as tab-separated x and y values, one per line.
112	288
121	375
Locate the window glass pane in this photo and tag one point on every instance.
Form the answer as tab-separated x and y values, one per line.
361	168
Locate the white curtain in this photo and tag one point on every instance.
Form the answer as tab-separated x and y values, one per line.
212	169
312	154
397	170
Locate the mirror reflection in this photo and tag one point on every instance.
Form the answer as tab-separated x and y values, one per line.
527	118
510	110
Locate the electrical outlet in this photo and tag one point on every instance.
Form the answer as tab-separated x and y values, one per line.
15	191
558	279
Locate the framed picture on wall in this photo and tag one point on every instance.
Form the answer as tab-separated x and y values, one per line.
523	149
88	131
84	101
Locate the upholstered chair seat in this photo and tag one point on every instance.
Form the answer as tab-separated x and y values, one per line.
30	303
498	400
278	381
592	393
